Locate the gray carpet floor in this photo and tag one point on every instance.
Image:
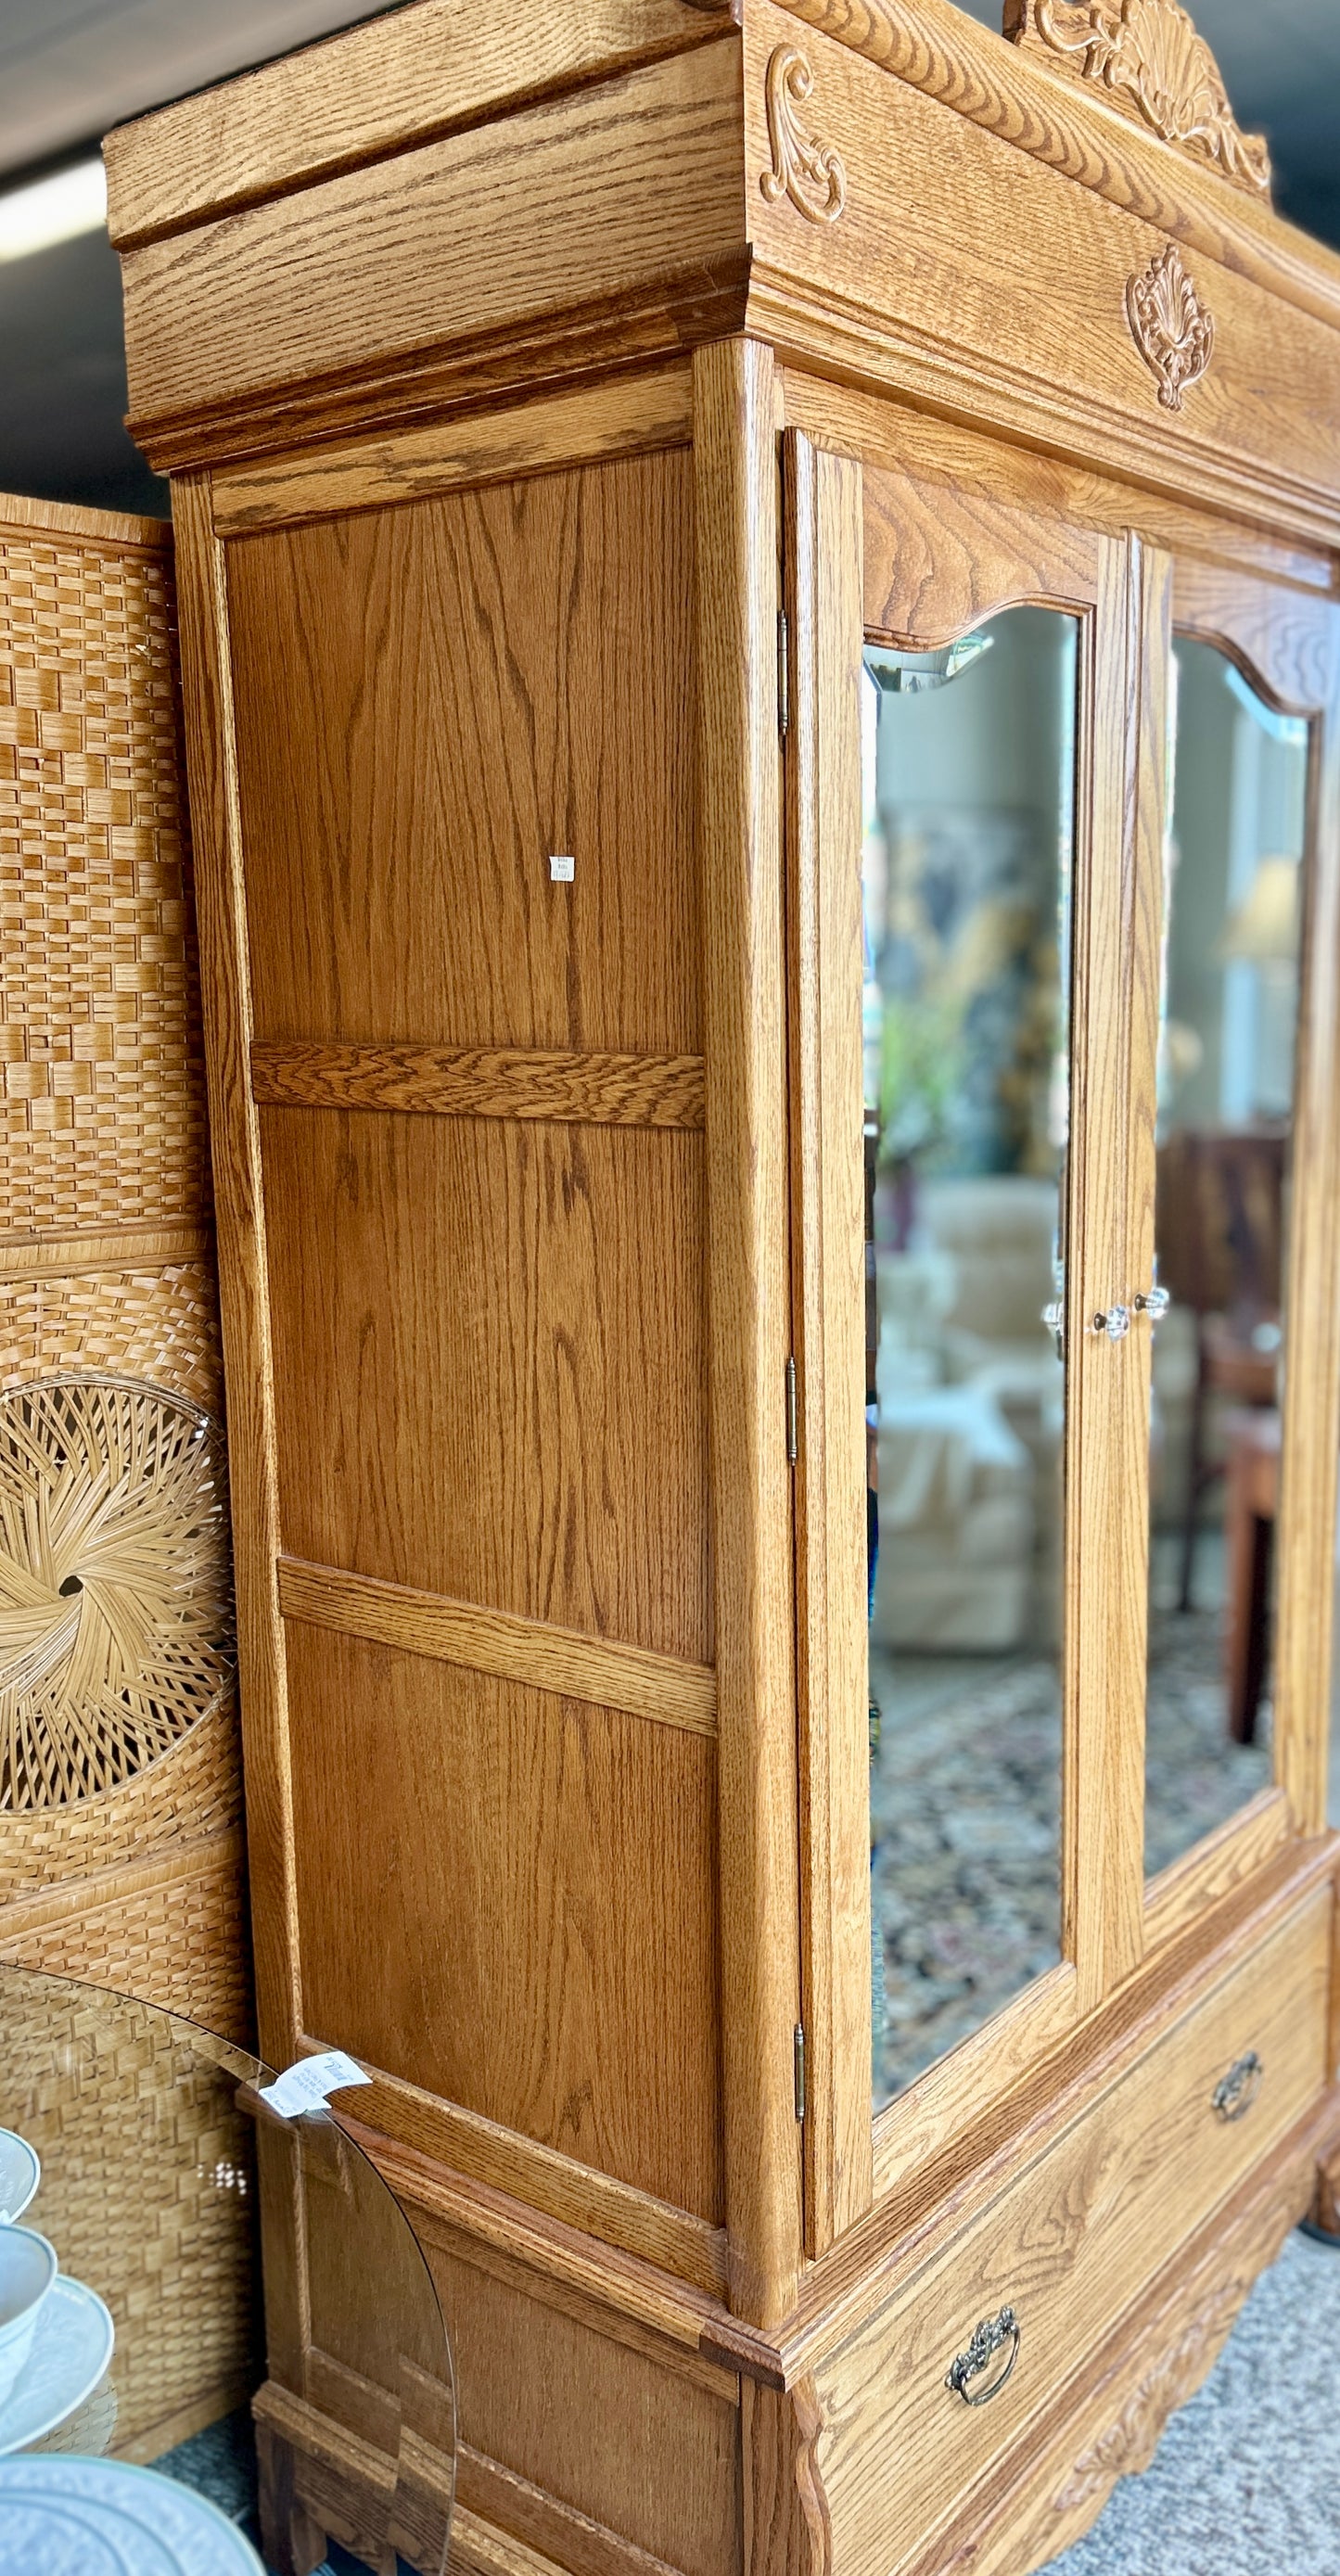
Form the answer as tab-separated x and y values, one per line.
1247	2477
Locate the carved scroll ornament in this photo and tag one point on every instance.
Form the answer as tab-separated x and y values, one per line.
803	169
1170	326
1149	57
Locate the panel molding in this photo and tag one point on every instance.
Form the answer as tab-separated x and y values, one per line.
531	1651
521	2196
482	1082
736	503
630	415
823	553
211	752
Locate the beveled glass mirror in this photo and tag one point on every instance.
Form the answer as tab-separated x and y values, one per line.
1233	917
969	785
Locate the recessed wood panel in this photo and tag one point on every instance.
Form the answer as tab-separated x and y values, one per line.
507	1898
489	1350
591	2423
435	700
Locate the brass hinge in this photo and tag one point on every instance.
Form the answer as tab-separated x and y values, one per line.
783	675
792	1418
800	2070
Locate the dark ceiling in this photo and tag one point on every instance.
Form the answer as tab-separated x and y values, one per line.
71	68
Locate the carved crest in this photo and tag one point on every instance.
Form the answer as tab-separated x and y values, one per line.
1148	56
1170	326
803	169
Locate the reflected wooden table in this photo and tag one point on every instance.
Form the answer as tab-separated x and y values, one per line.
234	2248
1253	1471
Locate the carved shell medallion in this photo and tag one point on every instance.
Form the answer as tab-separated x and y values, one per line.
1170	326
803	169
1150	58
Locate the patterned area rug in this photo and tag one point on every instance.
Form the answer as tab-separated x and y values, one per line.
965	1823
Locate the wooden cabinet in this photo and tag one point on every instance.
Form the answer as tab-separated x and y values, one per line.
762	663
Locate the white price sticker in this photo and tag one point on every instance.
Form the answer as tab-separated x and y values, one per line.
304	2087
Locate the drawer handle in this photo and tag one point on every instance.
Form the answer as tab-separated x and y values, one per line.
992	2335
1235	2092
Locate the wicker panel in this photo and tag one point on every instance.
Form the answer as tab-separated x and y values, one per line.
101	1090
182	1944
102	1128
197	1792
146	2194
162	1325
115	1589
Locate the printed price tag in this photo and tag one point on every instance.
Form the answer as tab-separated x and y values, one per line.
304	2087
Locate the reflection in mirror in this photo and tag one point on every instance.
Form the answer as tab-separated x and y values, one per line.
969	773
1225	1114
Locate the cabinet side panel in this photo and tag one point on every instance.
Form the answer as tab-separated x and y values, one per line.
506	1899
651	2460
433	701
489	1336
468	821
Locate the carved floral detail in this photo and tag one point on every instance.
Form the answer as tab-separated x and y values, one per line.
1149	56
1170	326
1129	2445
803	169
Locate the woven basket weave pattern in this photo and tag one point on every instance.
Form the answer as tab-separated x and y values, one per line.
147	2193
102	1131
101	1072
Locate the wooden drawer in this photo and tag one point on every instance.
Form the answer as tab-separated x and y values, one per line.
1068	2245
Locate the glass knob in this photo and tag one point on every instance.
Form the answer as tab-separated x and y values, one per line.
1154	1303
1053	1317
1116	1323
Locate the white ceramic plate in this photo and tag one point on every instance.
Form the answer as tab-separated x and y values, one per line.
71	2350
106	2518
20	2174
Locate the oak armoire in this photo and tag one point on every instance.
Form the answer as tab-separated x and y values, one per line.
761	650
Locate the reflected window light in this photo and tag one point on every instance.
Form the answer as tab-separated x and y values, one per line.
46	211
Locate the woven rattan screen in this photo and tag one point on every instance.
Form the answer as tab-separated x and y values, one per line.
120	1805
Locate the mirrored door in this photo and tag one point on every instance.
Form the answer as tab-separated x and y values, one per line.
1228	1054
969	768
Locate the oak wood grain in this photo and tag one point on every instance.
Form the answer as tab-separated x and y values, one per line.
403	788
526	2371
490	1343
619	417
1051	2487
1067	505
1043	343
631	2267
566	1988
1114	991
482	1082
1182	1894
658	1687
369	92
584	196
823	502
736	516
1073	2243
239	1204
920	2215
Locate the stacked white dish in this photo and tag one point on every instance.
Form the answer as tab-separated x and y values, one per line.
56	2336
105	2518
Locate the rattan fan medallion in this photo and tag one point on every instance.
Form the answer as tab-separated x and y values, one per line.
115	1597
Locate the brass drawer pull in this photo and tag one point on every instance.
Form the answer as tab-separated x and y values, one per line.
992	2335
1235	2092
